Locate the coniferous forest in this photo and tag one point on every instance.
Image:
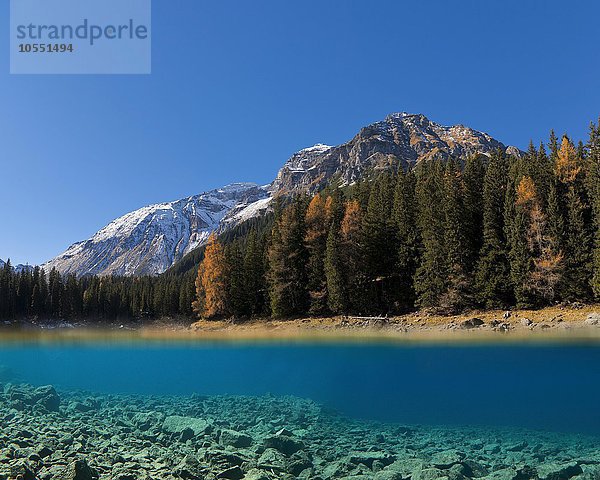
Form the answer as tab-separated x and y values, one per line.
484	232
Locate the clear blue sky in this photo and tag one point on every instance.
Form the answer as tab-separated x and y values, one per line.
238	86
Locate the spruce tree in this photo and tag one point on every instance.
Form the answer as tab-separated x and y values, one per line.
493	270
237	292
352	258
578	235
593	184
337	294
473	179
287	263
457	244
379	246
516	226
431	274
315	240
407	236
254	269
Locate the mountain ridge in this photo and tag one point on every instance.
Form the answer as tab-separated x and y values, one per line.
151	239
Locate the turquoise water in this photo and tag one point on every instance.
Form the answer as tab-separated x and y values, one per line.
550	387
313	411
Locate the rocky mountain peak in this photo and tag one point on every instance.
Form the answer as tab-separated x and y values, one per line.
399	141
151	239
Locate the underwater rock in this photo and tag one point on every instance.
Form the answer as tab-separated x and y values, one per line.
526	473
190	468
283	443
558	471
387	475
272	459
44	451
130	438
367	458
20	469
233	473
429	474
235	439
256	474
78	470
517	447
446	459
177	424
502	474
23	396
47	398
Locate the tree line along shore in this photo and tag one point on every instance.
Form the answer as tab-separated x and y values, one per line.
445	236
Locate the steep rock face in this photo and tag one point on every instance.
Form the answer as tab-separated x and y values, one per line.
149	240
402	139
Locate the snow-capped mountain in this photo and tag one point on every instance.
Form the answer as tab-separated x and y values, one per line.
402	139
17	268
151	239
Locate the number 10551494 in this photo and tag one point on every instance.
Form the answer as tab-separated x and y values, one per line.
45	48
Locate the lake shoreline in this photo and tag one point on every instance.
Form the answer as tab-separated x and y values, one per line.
553	323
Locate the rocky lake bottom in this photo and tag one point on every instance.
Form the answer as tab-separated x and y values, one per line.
49	433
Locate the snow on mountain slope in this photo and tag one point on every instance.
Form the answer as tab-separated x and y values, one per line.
149	240
153	238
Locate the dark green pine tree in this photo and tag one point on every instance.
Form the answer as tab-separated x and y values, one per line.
431	274
8	300
71	299
473	178
542	172
593	185
555	212
315	241
493	271
516	226
237	293
38	298
379	246
553	145
186	294
577	277
407	237
337	293
55	291
457	244
254	269
287	262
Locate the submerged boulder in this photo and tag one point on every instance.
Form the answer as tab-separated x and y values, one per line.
235	439
23	397
233	473
190	468
555	471
78	470
47	397
177	425
368	458
283	443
